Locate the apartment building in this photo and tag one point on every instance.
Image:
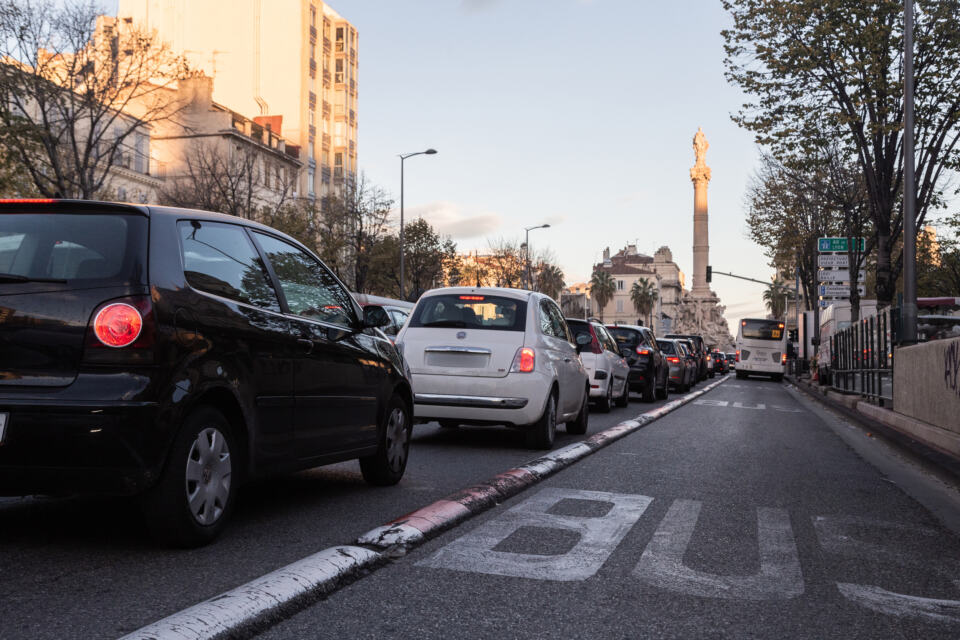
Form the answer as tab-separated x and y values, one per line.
296	59
628	266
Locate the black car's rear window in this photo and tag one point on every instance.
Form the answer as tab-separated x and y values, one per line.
471	311
72	247
626	337
579	326
666	346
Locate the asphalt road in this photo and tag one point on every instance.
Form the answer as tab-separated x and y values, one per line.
86	568
740	515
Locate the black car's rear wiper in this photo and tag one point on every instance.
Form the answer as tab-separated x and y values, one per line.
13	277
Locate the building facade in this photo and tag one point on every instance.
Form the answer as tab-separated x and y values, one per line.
629	266
296	59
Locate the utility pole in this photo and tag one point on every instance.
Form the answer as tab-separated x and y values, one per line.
909	328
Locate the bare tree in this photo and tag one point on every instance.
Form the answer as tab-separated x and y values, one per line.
357	218
506	263
75	89
230	177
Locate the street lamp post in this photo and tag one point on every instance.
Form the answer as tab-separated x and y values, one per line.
527	284
403	248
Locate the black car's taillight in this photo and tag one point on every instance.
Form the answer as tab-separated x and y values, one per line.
121	331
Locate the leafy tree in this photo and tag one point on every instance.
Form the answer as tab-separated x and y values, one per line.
775	297
834	67
549	279
643	294
76	93
602	288
426	254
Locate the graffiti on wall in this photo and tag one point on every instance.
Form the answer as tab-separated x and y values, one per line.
951	367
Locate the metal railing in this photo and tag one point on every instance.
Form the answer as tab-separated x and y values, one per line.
861	357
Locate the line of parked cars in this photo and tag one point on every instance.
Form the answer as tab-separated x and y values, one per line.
174	354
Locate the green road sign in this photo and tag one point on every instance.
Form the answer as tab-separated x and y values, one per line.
837	244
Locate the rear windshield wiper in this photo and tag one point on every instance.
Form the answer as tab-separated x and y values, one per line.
13	277
458	324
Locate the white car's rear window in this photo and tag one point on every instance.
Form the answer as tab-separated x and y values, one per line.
470	311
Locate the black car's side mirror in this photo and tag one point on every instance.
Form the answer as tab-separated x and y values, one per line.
583	340
374	317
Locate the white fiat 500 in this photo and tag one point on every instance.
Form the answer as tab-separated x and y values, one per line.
495	356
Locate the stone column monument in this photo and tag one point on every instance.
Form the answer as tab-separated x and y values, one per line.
700	176
700	311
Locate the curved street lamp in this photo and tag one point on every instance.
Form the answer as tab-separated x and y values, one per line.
527	245
404	156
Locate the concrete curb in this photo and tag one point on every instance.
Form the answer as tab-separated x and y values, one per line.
261	602
427	522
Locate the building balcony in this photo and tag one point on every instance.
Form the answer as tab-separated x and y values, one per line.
326	44
312	99
326	139
313	68
313	34
326	109
313	130
340	46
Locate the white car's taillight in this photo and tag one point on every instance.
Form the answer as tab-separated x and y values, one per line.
524	361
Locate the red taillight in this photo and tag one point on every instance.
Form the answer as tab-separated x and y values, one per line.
524	361
121	331
118	325
26	200
738	355
673	359
643	352
783	358
473	298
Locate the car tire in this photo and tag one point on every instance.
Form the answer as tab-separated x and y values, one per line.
777	377
649	390
605	403
194	497
542	432
385	467
624	398
578	426
664	393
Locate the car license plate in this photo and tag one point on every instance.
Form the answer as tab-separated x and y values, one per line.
4	417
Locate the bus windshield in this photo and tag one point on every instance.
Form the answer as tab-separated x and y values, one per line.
761	329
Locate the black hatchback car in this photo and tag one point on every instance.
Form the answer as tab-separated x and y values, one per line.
649	370
174	354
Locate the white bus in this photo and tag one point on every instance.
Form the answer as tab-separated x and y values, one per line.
761	348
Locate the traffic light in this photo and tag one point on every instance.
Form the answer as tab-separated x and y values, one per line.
709	273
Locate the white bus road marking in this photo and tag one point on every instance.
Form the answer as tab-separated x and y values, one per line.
739	405
599	536
839	535
779	578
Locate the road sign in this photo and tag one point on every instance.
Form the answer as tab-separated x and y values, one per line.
837	244
839	290
828	260
840	275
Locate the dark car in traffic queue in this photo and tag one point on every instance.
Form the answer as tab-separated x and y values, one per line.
174	354
700	350
398	311
679	370
649	374
720	365
731	359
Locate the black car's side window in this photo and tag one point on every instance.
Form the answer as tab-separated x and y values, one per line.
311	291
220	259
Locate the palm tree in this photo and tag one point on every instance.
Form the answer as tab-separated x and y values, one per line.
643	294
550	280
775	298
602	288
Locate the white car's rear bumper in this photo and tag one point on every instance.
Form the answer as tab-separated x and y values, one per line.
517	398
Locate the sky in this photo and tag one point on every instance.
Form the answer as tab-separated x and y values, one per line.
577	113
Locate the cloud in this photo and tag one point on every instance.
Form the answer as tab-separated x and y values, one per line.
456	221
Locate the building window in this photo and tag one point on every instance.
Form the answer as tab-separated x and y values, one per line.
620	288
313	51
313	16
620	303
311	172
311	116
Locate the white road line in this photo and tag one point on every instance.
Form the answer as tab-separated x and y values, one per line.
779	578
231	611
599	536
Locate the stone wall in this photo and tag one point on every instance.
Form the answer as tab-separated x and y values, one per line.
926	383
